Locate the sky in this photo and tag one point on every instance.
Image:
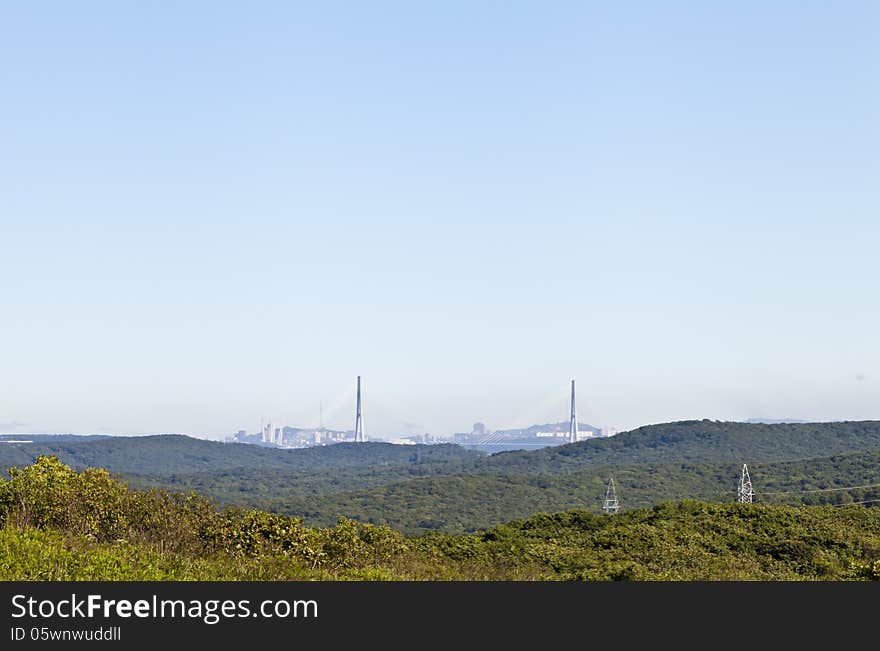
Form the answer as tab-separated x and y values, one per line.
217	212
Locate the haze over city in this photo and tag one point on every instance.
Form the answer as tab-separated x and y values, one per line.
230	215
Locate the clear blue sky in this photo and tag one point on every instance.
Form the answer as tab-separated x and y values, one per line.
212	212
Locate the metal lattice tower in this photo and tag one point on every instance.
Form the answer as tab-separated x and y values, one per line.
611	504
573	424
744	492
359	421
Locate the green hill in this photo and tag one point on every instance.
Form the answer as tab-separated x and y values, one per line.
171	453
697	441
680	442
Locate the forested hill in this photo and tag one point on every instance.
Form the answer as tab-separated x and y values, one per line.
698	441
679	442
172	454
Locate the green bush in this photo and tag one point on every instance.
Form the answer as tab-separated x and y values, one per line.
48	494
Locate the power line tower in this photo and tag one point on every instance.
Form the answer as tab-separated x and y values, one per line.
744	492
358	421
611	504
573	424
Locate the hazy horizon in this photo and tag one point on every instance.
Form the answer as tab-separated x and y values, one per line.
212	214
389	435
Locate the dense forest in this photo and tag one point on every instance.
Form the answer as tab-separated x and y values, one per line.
60	524
171	453
466	503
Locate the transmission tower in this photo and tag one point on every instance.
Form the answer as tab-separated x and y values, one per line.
611	504
358	421
573	424
744	492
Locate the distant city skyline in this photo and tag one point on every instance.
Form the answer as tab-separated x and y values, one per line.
212	213
402	429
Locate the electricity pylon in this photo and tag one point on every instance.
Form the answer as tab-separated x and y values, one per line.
611	504
744	492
